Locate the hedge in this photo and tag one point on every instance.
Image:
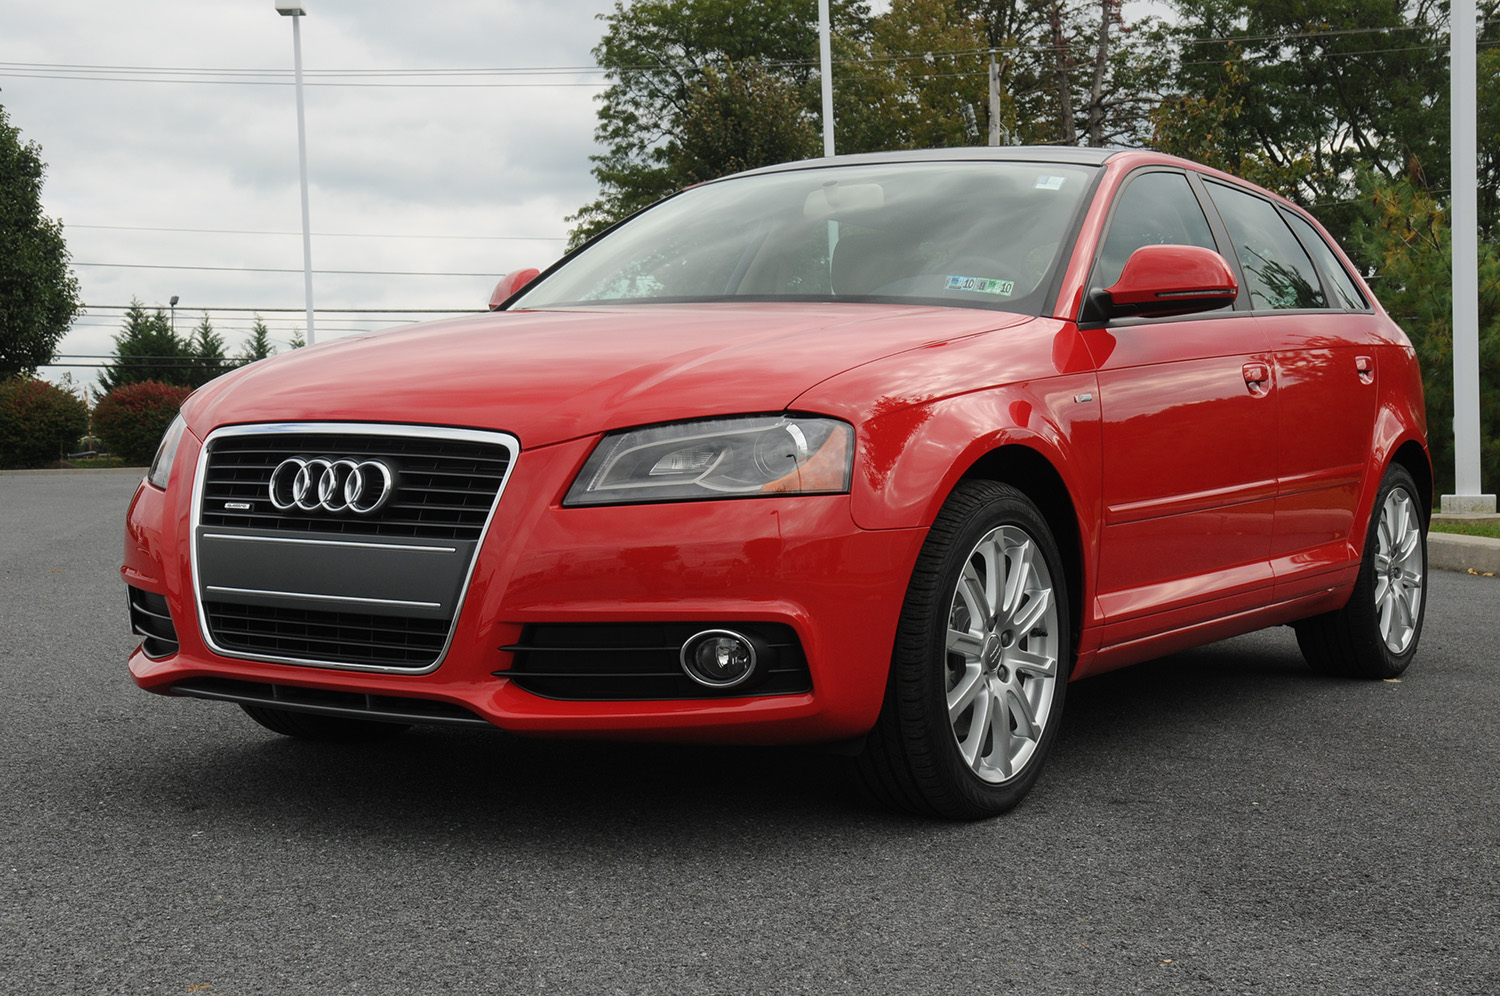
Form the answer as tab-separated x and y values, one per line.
39	422
132	418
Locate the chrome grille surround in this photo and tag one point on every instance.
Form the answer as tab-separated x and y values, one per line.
361	536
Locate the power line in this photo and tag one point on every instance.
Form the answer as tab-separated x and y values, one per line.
337	235
329	77
322	310
211	71
272	269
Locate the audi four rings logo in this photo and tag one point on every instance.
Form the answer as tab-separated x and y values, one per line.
331	484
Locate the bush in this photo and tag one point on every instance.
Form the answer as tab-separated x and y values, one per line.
132	418
38	422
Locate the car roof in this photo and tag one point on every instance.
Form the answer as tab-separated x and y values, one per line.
1072	155
1064	154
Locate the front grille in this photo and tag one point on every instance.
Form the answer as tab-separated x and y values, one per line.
446	486
329	586
346	637
639	661
149	618
354	705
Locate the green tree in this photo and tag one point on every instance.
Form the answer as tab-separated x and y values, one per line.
1070	71
739	118
655	53
1405	231
146	349
1204	127
38	293
258	346
207	350
917	78
1315	90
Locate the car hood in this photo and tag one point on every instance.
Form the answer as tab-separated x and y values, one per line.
548	376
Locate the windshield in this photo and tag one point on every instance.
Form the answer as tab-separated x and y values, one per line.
972	234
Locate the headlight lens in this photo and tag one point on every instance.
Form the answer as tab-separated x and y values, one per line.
718	458
161	467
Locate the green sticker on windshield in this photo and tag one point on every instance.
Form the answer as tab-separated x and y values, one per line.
982	285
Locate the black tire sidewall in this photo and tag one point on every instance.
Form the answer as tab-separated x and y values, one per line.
1366	615
972	512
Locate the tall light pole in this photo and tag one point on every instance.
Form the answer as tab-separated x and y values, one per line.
296	11
825	59
172	306
1464	104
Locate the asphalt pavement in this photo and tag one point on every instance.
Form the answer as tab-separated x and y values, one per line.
1220	821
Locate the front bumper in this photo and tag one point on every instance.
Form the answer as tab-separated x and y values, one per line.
794	562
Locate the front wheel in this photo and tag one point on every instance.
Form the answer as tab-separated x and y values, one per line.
1376	634
981	663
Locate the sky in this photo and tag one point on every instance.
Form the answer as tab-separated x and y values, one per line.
186	183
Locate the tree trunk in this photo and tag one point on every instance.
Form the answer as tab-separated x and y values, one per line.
1068	128
1108	11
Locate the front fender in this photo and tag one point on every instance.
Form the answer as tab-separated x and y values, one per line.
910	460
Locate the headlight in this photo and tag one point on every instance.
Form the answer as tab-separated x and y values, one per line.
718	458
161	467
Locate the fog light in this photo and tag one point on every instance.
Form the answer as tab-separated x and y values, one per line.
719	658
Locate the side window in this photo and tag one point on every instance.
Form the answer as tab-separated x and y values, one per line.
1154	209
1278	272
1344	287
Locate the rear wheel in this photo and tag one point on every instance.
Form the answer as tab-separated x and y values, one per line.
1376	634
315	726
981	663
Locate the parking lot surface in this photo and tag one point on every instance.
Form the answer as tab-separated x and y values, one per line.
1217	821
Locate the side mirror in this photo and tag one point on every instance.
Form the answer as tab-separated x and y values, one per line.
512	284
1170	280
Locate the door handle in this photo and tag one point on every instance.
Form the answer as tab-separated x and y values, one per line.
1365	365
1258	378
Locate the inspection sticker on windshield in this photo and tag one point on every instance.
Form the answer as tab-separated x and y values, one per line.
982	285
1050	182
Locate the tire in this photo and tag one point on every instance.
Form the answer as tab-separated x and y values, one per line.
985	627
1376	634
325	729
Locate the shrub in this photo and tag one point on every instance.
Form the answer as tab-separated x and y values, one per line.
132	418
38	422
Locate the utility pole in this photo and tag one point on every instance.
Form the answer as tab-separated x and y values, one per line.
825	56
996	131
1464	101
297	10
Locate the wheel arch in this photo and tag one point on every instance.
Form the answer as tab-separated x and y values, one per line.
1414	458
1031	473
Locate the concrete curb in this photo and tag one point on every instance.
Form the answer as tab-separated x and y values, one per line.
1455	552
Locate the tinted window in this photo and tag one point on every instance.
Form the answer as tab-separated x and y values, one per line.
1155	209
981	235
1278	273
1344	287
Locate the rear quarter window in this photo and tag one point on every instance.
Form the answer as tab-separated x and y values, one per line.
1345	291
1278	272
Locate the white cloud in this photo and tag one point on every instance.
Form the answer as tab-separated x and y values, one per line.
463	163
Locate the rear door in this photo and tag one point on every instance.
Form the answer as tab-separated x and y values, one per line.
1317	326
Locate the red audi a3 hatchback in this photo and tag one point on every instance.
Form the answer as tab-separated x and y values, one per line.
882	450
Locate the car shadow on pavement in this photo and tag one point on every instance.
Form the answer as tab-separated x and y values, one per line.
430	777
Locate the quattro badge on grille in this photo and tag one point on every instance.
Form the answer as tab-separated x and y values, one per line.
331	484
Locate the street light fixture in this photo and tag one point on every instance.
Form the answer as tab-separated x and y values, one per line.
297	11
